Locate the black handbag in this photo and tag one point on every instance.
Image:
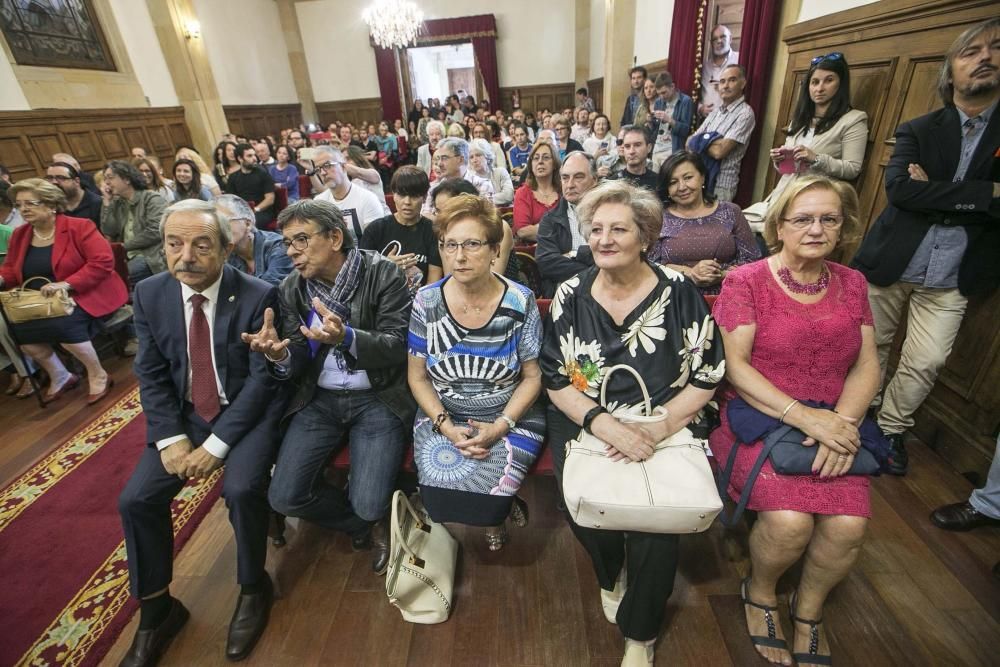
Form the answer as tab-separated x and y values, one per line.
788	457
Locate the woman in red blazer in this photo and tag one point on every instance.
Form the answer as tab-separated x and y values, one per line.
72	254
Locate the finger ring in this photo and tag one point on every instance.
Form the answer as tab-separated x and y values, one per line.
842	456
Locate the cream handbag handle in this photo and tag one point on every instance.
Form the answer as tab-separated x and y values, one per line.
647	404
24	285
400	500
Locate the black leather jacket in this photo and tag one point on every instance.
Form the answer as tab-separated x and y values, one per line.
554	239
380	317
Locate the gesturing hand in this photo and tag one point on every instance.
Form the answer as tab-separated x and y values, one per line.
266	340
174	457
329	331
624	440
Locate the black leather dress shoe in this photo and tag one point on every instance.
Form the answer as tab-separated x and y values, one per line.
380	546
249	621
362	541
899	460
148	645
961	516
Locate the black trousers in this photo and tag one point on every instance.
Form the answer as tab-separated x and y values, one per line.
650	558
144	506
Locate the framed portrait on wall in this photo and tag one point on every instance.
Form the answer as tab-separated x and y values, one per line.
55	33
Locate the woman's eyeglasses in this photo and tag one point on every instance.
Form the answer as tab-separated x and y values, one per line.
471	246
801	222
834	55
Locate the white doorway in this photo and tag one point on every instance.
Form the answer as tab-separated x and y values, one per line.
439	71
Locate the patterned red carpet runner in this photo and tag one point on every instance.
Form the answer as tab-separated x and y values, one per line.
63	572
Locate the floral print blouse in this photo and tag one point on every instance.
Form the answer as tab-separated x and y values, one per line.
670	339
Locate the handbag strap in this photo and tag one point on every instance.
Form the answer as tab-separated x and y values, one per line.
648	410
393	243
741	505
401	502
24	285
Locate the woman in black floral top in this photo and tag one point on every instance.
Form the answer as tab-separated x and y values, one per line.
626	310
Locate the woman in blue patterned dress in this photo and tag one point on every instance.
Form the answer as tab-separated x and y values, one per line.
474	343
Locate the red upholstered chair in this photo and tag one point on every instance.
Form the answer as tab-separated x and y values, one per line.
529	274
527	249
390	201
305	187
543	306
121	264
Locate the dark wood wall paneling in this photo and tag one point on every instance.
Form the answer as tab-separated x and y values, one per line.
553	96
258	120
357	111
29	138
895	49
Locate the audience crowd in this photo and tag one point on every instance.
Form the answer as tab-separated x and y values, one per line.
381	284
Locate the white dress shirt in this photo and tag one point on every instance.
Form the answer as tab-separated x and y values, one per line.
213	445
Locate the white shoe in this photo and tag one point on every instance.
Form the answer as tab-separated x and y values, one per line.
611	600
638	654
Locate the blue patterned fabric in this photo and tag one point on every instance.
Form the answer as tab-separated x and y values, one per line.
475	373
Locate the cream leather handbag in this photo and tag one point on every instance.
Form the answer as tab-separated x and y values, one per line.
422	554
673	491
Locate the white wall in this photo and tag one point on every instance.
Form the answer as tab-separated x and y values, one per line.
653	19
11	97
596	39
136	28
247	51
535	44
812	9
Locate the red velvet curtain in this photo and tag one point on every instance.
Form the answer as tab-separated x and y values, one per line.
388	84
485	51
760	26
687	37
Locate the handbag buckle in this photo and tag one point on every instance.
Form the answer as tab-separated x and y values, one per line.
424	526
417	562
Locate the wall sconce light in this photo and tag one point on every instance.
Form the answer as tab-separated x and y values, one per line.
192	29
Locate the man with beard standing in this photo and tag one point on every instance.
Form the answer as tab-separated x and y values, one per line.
938	239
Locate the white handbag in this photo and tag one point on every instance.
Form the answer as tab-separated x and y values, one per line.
422	554
673	491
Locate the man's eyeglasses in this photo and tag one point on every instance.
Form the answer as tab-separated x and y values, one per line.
835	55
300	241
801	222
441	158
57	179
470	246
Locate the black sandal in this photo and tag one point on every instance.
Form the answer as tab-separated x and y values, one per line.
771	640
813	657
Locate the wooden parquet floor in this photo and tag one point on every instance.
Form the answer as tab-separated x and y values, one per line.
918	595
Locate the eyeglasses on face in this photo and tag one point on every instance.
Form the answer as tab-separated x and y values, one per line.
28	203
57	179
440	157
801	222
470	246
300	241
835	55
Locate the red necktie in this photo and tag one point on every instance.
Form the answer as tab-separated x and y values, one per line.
204	390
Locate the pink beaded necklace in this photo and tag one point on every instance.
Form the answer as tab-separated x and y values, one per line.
812	289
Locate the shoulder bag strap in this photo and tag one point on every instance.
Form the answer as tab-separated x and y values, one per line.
769	443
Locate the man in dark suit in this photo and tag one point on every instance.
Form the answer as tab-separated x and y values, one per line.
938	240
209	401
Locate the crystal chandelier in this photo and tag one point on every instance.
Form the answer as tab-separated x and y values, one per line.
393	23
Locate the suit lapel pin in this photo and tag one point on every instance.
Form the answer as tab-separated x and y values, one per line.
231	299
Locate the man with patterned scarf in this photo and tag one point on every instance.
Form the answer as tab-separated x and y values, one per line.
341	338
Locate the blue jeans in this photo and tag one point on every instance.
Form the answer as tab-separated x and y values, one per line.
376	437
987	499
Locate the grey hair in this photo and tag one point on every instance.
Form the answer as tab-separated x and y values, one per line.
326	216
647	211
484	147
591	162
331	151
435	123
457	146
236	208
945	87
198	206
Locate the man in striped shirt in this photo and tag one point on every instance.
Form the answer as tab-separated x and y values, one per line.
734	121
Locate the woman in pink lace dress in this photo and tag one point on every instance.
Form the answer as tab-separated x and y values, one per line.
797	327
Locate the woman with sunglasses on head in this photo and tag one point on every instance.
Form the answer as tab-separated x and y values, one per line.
826	136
